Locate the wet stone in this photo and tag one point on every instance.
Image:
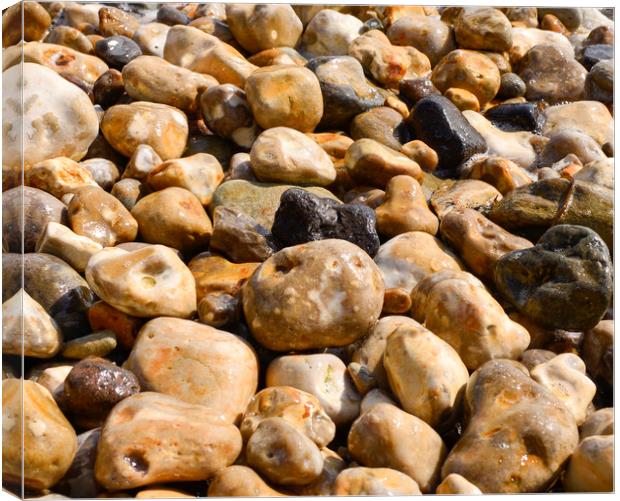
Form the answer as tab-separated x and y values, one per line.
511	86
97	344
383	125
117	51
595	53
170	15
514	117
415	89
304	217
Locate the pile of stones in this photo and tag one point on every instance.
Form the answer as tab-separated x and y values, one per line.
266	250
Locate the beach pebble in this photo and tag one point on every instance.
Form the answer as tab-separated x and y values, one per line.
360	481
384	125
142	162
128	192
102	316
58	240
597	351
35	18
151	38
483	29
114	21
69	37
590	117
428	34
591	466
238	480
104	171
97	344
462	194
329	33
108	88
169	15
600	422
457	484
117	51
499	172
59	176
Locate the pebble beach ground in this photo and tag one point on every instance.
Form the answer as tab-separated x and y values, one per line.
280	250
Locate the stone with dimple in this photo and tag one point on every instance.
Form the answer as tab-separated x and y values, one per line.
147	282
331	284
150	437
197	364
360	481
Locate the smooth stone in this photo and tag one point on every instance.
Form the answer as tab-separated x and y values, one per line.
117	51
511	86
260	27
238	480
57	102
323	375
226	112
591	466
516	440
59	176
550	76
304	217
128	192
430	35
96	214
197	364
512	117
97	344
457	484
108	88
283	454
384	125
571	141
260	201
565	376
388	64
591	117
93	387
595	53
425	373
469	70
323	485
80	15
155	492
53	379
346	92
142	162
219	310
30	17
285	96
173	217
104	171
479	241
563	282
26	212
53	284
28	329
151	38
597	351
404	209
602	73
524	39
440	125
147	282
600	422
332	284
151	78
462	194
483	29
499	172
38	442
114	21
329	33
276	56
360	481
170	15
535	356
300	409
240	237
69	37
164	128
281	154
200	174
387	437
150	437
570	17
58	240
462	99
422	154
102	316
458	308
79	481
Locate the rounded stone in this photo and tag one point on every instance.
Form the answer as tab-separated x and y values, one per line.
69	37
170	15
591	467
360	481
314	295
117	51
428	34
329	33
30	17
457	484
151	38
128	192
483	29
58	176
104	171
114	21
383	125
285	96
108	88
97	344
197	364
238	480
462	99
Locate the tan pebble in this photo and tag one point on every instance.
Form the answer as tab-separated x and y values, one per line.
58	176
113	21
457	484
98	344
597	350
422	154
428	34
32	17
104	171
215	274
463	194
360	481
483	28
600	422
462	99
590	117
151	38
501	173
398	105
128	191
323	485
155	492
240	480
329	32
143	160
53	379
61	242
69	37
591	467
551	23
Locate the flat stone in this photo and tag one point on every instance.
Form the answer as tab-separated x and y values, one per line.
97	344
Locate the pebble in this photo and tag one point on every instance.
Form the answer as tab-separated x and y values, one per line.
568	280
151	38
571	141
150	438
304	217
479	241
196	364
117	51
513	117
59	176
591	467
79	481
595	53
387	437
96	214
483	29
428	34
511	86
422	154
600	422
114	21
346	92
97	344
425	373
278	56
169	15
600	35
404	209
462	99
457	484
200	174
597	351
58	240
238	480
53	379
38	441
108	88
93	387
104	171
329	33
524	39
174	217
471	321
468	193
323	485
56	102
147	282
323	375
32	18
388	64
102	316
69	37
499	172
28	329
440	125
360	481
80	15
332	284
282	154
415	89
142	162
285	96
384	125
469	70
570	17
151	78
128	191
590	117
260	27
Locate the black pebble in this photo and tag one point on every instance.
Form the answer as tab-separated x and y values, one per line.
511	86
516	116
171	16
593	54
117	50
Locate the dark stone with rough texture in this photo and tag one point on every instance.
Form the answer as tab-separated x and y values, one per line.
439	123
240	237
593	54
171	16
79	481
32	207
511	86
117	50
303	217
108	88
514	117
415	89
93	387
346	92
563	282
